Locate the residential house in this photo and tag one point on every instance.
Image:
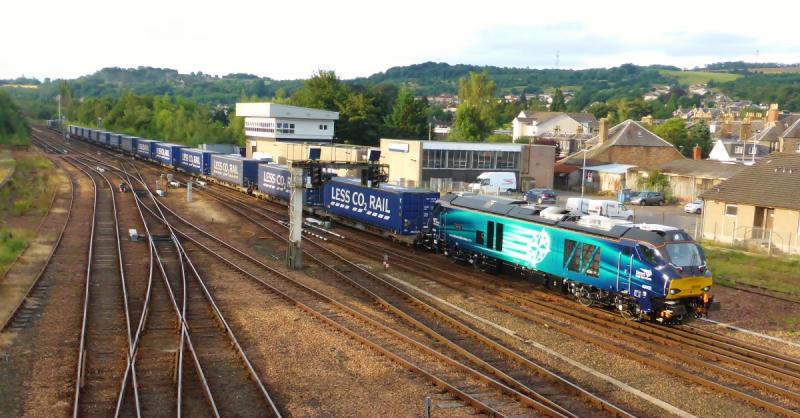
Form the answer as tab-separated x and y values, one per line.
628	143
789	141
536	124
689	178
759	206
699	90
444	100
650	96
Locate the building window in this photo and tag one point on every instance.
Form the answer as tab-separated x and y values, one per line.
507	159
797	148
323	127
731	210
738	149
482	159
433	158
458	159
285	128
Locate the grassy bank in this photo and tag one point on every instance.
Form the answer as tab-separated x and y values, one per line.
23	200
29	191
687	78
11	245
7	165
735	267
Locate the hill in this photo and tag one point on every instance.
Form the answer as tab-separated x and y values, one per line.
588	86
687	78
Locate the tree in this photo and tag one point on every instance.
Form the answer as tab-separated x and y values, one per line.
559	104
655	181
359	122
13	126
408	118
673	130
324	90
477	110
699	135
259	88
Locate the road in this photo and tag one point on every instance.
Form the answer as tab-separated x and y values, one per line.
671	215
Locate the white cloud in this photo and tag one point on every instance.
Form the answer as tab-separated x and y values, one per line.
291	39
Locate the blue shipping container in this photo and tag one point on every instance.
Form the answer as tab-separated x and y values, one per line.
144	148
398	209
235	169
128	143
166	153
105	137
195	161
113	140
275	180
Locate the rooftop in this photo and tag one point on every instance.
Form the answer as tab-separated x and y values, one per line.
709	169
771	182
274	110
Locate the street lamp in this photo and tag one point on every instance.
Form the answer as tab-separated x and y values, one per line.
583	172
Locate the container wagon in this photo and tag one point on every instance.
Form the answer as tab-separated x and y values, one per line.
391	210
195	161
166	153
128	144
274	181
114	140
145	148
235	170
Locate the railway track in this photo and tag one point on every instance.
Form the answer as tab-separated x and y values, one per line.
710	346
570	405
155	348
504	363
213	350
753	369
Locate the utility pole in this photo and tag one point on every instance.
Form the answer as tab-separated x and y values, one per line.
583	173
294	255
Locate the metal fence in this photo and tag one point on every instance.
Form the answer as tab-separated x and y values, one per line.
754	239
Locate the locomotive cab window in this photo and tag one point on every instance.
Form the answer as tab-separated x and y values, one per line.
582	258
650	255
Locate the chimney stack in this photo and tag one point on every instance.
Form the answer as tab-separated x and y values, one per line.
647	120
744	129
772	113
603	135
727	128
697	153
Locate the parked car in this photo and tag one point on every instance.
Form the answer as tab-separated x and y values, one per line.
694	207
541	196
625	195
648	198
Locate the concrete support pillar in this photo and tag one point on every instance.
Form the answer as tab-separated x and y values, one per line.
294	254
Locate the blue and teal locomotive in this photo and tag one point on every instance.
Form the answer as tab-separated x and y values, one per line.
644	271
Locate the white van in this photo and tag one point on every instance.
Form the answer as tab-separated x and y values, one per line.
610	209
494	182
607	208
578	206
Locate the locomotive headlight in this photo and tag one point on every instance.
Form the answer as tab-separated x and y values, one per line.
706	289
674	291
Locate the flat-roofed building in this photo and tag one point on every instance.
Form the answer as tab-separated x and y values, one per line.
427	163
271	122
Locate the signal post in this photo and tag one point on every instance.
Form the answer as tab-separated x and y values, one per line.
372	174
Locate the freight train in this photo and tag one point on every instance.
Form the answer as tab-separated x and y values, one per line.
644	271
395	212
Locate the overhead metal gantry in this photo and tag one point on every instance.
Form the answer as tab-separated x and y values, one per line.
308	174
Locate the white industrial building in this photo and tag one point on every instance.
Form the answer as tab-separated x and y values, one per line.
272	122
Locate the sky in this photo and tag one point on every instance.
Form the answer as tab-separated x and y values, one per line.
291	39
